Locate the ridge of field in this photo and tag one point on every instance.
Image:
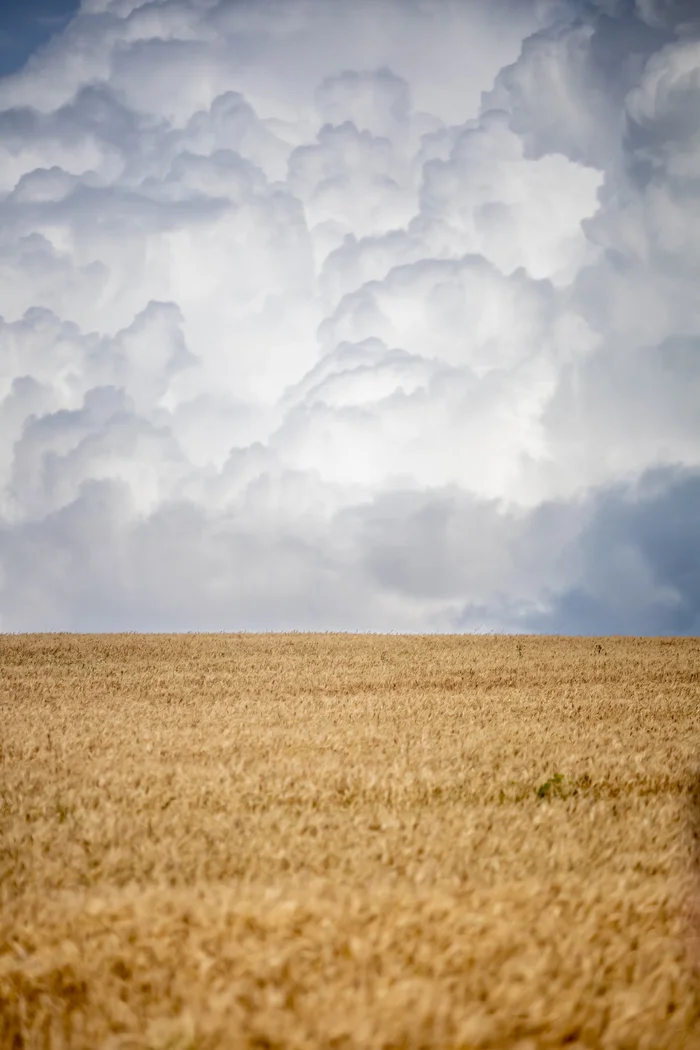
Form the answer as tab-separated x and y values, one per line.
348	841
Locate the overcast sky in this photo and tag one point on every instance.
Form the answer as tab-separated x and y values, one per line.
369	315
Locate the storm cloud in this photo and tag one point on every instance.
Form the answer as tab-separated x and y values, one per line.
378	316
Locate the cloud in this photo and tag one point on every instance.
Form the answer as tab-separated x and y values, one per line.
638	564
376	316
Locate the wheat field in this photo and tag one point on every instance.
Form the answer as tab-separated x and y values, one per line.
345	841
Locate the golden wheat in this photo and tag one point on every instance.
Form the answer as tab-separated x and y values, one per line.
347	842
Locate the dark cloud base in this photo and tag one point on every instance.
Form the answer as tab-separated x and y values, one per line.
634	569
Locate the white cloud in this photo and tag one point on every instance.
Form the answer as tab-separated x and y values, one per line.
351	315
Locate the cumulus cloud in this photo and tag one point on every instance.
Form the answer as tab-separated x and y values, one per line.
376	316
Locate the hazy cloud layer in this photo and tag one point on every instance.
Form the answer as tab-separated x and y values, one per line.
379	315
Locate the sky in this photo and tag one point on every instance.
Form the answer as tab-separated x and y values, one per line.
369	316
26	24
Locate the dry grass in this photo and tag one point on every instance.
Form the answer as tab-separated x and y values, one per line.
339	841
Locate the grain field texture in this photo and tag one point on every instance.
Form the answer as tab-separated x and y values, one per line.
338	841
